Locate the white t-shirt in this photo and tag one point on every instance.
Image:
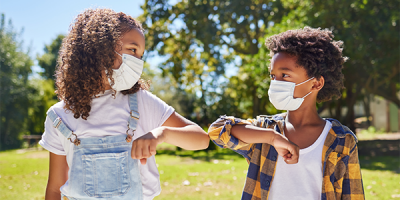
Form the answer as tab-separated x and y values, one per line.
302	180
109	117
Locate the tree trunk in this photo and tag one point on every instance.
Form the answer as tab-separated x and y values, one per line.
350	102
366	103
338	110
256	103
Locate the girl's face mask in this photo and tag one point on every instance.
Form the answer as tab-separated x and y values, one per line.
281	95
128	73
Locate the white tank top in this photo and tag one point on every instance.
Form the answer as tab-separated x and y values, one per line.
302	180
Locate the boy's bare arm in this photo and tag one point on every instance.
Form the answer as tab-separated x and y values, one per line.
252	134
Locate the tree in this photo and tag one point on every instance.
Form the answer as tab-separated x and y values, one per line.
48	61
370	32
43	96
15	67
201	38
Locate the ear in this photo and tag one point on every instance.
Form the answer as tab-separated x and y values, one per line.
318	84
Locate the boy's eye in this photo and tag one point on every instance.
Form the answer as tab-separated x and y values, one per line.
285	75
133	50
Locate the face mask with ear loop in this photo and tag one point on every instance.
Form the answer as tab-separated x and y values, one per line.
128	74
281	95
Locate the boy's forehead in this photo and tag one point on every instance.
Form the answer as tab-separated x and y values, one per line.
282	58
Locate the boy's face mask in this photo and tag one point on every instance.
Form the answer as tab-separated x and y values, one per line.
128	73
281	95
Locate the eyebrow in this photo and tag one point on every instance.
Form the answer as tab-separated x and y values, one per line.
285	69
282	69
134	43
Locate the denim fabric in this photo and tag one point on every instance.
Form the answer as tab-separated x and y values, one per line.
103	168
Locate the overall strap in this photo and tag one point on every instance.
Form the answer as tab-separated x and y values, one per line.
59	124
134	114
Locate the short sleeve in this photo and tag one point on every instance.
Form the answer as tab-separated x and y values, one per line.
51	139
156	110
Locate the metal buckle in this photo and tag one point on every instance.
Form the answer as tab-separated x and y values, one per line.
129	137
77	142
137	118
59	122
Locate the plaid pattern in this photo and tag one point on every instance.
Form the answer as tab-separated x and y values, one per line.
341	168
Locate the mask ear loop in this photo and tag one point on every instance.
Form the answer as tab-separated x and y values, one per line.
304	81
307	94
118	53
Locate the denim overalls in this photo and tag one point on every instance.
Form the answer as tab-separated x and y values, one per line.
102	167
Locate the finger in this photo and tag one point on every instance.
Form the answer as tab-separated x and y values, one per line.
153	148
139	149
133	150
143	161
289	159
146	149
294	151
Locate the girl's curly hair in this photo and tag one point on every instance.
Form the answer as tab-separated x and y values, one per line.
86	52
317	53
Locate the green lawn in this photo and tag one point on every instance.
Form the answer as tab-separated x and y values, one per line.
23	175
184	175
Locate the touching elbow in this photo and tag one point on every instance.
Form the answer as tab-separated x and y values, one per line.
206	143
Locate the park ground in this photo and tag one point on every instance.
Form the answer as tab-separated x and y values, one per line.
217	174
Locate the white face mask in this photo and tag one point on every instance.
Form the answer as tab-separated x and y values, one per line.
128	73
281	95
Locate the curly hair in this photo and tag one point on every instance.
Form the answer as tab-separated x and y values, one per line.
86	52
317	53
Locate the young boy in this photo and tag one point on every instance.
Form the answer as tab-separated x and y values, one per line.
305	69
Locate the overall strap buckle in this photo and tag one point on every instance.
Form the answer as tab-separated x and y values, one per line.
134	116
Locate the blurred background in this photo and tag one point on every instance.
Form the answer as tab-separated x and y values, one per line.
206	58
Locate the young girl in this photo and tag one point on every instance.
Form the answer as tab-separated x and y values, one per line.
107	121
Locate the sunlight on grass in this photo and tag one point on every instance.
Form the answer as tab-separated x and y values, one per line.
23	175
381	177
187	178
185	175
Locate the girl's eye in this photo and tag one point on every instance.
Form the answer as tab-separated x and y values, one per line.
285	75
272	76
133	50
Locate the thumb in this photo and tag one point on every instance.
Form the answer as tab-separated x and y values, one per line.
143	161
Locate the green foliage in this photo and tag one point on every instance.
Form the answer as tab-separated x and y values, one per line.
15	66
201	38
370	32
41	99
43	95
48	60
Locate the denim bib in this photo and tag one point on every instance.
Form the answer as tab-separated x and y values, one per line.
102	167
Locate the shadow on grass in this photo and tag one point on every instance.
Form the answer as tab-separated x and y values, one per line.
203	155
373	154
378	148
382	163
380	155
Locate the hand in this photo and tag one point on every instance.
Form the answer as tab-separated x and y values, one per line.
145	146
285	148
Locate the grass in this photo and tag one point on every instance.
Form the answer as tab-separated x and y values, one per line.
23	175
381	177
369	134
184	175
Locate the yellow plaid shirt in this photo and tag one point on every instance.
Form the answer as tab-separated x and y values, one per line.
341	168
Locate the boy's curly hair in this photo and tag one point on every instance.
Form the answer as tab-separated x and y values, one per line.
317	53
86	52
